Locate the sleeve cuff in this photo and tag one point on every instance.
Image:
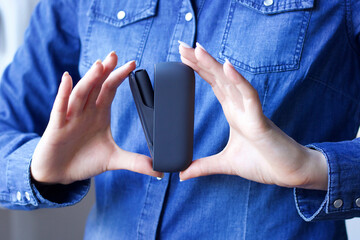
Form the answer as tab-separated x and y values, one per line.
342	198
25	194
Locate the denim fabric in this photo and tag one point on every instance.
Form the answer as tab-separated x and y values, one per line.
302	56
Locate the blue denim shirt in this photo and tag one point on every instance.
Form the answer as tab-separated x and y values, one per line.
302	56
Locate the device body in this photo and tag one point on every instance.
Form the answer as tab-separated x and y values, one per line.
167	114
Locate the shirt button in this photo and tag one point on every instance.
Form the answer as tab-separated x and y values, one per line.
27	195
18	196
159	178
188	16
268	2
121	15
338	203
357	201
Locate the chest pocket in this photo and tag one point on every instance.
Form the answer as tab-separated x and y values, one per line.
122	26
261	39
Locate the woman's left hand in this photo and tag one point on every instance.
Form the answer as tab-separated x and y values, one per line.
257	149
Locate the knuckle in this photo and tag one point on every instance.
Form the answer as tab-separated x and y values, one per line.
107	86
79	94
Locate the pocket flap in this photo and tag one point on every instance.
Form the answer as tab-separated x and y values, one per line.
277	6
123	12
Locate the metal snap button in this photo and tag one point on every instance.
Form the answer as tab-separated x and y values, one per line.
27	195
268	2
18	196
338	203
357	201
188	16
121	15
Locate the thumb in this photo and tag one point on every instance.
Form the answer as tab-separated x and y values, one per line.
133	162
214	164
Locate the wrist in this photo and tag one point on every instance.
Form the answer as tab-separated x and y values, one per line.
316	169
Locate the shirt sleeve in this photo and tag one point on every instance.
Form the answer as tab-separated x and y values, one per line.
27	90
353	23
342	198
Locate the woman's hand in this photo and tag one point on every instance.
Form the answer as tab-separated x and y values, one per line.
257	149
77	143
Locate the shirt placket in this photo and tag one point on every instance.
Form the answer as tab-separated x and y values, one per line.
150	214
184	30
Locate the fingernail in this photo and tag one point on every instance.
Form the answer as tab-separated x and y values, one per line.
97	62
111	54
180	180
159	178
129	62
200	46
184	44
228	62
65	75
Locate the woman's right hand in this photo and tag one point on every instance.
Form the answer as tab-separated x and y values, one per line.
77	143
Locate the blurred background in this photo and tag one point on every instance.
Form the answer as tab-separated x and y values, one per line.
62	223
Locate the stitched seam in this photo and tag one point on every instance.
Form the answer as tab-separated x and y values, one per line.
266	85
200	8
276	8
302	35
276	67
267	66
5	197
355	101
100	15
158	224
298	43
87	43
227	27
174	33
142	211
246	212
262	69
139	53
143	41
273	67
86	61
349	27
301	210
7	178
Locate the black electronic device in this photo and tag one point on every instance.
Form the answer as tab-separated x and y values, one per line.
167	113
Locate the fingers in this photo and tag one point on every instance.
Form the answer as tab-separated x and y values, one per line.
59	110
207	62
239	81
212	71
98	85
206	166
250	100
109	87
133	162
109	65
79	95
225	80
188	57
